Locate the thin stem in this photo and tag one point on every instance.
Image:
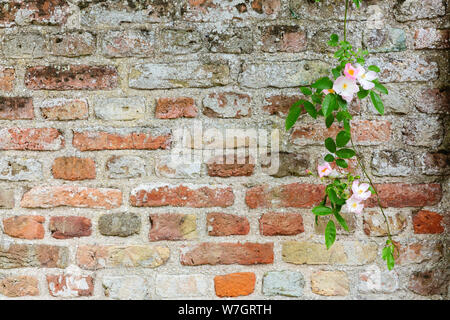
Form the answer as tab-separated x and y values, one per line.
345	20
363	168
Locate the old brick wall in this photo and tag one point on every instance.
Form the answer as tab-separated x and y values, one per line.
93	90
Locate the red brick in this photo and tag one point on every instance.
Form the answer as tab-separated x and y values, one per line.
7	76
432	39
65	109
71	77
281	224
67	285
128	43
181	196
34	139
72	44
227	253
434	100
235	284
363	131
218	167
280	104
418	252
70	227
52	12
102	140
16	108
24	227
284	39
400	195
295	195
71	196
29	256
172	108
19	286
223	224
429	282
266	6
73	168
172	226
427	222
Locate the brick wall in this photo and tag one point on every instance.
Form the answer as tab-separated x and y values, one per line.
90	205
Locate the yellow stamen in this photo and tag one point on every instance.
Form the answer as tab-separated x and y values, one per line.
351	72
354	205
345	86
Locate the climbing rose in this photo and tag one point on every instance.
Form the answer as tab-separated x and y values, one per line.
324	170
346	88
354	205
365	78
351	72
361	191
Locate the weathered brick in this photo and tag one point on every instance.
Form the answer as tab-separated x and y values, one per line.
64	109
397	163
227	253
283	38
427	222
181	196
73	168
6	198
179	75
128	43
418	252
374	224
283	283
322	222
172	108
7	77
71	77
280	104
434	100
235	284
272	74
418	9
125	287
70	227
72	44
35	139
24	227
431	39
168	167
333	9
19	286
32	256
427	132
179	41
385	40
230	39
363	132
330	283
374	280
181	286
281	224
429	282
289	164
400	195
20	169
313	253
119	224
71	196
433	163
113	14
224	167
91	257
70	286
51	12
131	108
121	139
223	224
125	167
297	195
14	108
227	105
172	226
24	45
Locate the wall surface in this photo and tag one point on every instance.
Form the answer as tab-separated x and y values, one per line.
92	206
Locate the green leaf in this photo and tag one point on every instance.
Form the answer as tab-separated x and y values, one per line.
339	53
329	120
323	83
374	68
332	195
309	107
294	113
322	210
306	91
328	104
341	220
341	163
336	73
377	103
316	99
380	87
371	189
330	234
347	125
329	158
362	93
342	138
334	37
330	145
345	153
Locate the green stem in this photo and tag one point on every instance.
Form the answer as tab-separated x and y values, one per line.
363	168
345	20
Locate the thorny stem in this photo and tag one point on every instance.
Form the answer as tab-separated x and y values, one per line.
363	168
